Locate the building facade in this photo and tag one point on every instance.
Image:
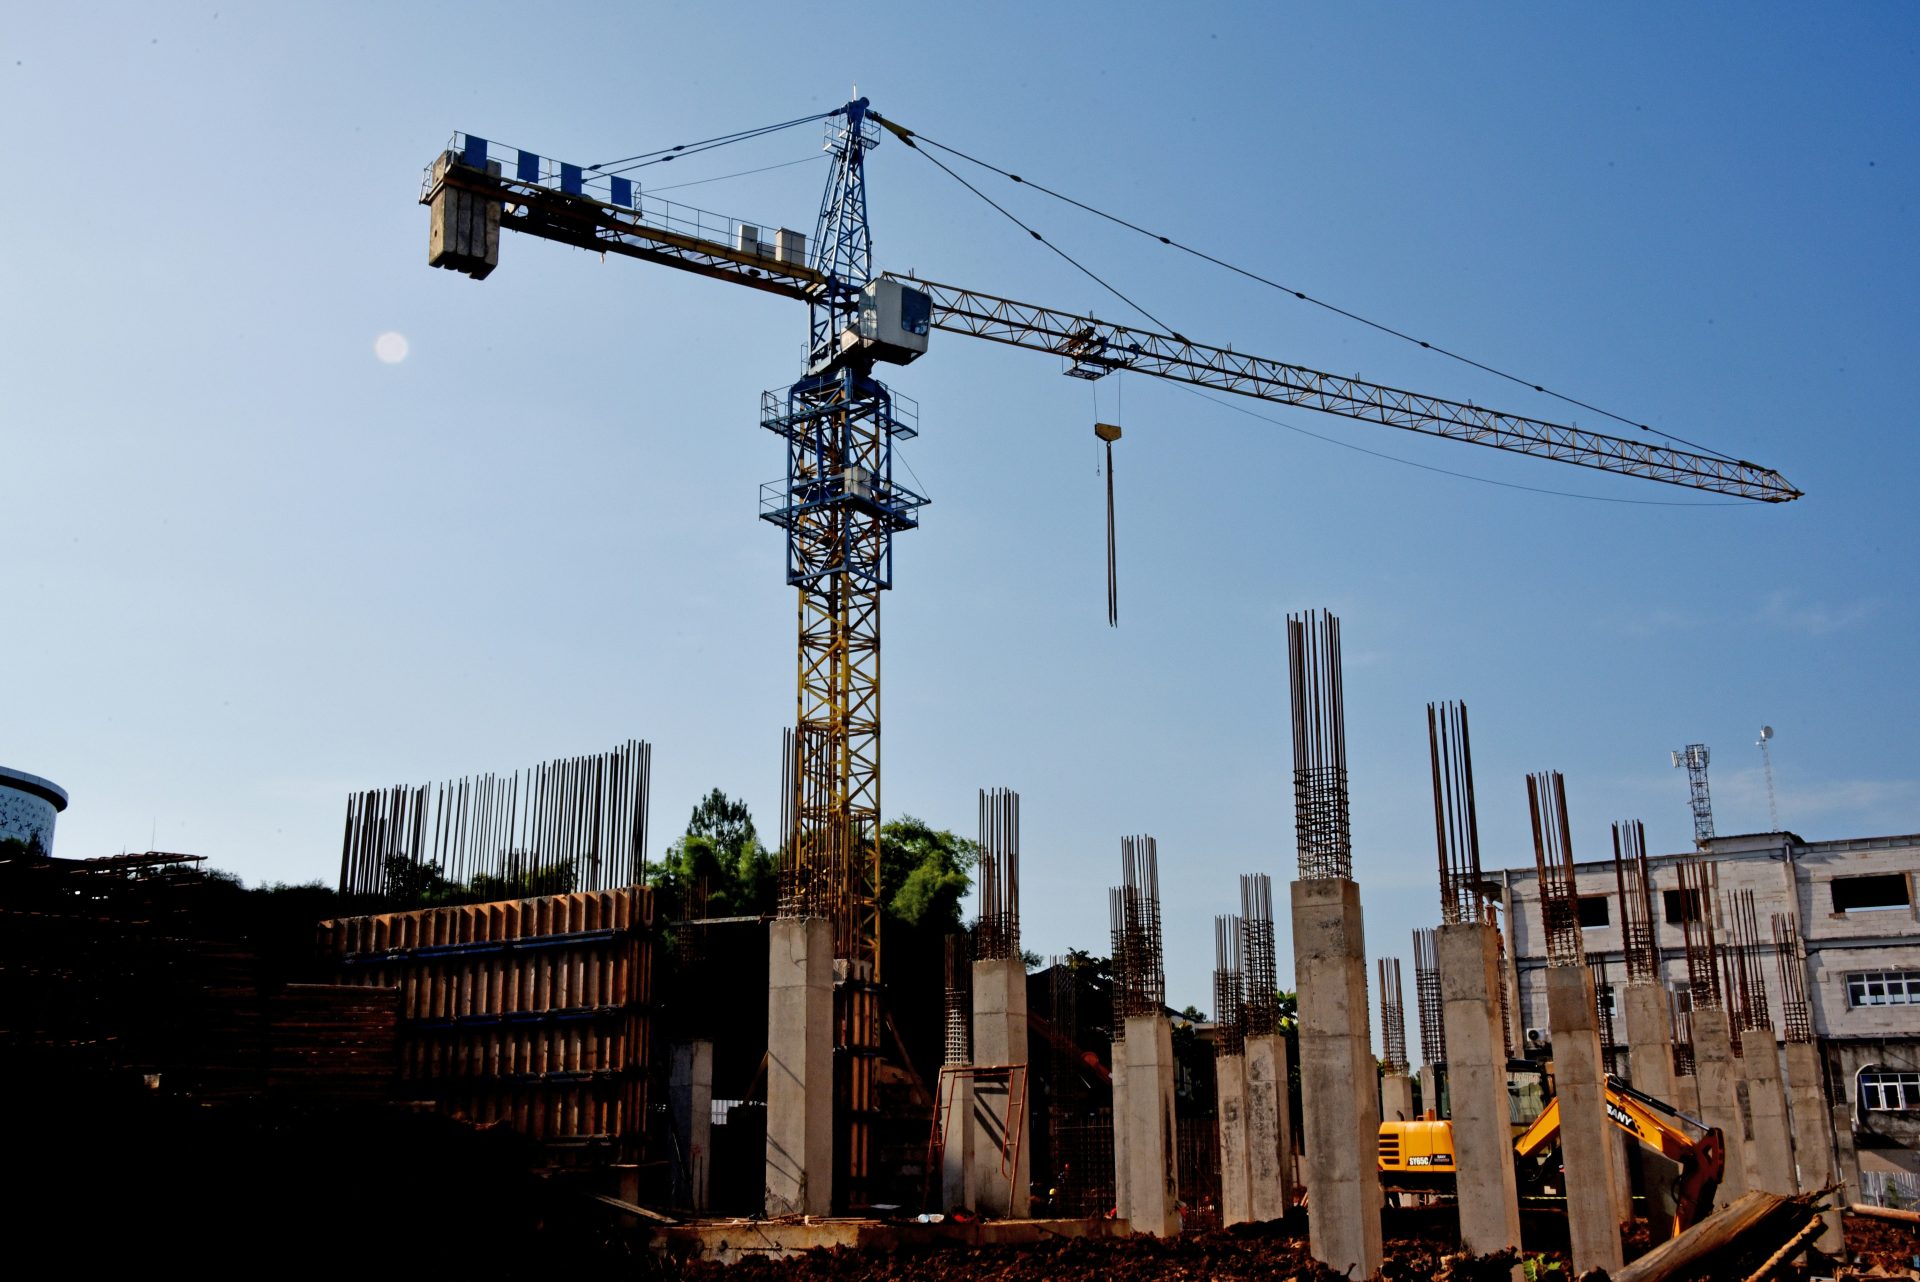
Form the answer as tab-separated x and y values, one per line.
1854	904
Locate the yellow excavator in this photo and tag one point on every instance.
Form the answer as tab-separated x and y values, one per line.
1417	1156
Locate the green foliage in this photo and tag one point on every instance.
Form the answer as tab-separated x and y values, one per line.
721	851
924	872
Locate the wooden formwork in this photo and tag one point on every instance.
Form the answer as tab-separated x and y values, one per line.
531	1012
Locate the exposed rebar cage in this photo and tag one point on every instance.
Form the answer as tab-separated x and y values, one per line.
1229	986
1790	954
1682	1014
562	826
1744	967
1553	857
1259	967
1638	944
1322	829
809	883
1696	928
1506	990
1393	1019
1455	823
1603	1005
1067	1088
1426	996
959	1001
1140	980
997	933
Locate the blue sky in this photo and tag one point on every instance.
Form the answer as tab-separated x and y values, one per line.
253	567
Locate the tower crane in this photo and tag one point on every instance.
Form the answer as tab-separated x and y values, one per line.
839	502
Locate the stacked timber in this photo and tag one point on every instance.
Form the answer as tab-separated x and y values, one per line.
528	1012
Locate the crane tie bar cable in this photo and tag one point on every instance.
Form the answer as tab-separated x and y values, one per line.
913	139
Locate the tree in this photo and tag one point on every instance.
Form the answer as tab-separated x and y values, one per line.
721	851
924	872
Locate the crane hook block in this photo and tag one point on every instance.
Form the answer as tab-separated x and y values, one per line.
465	233
1108	432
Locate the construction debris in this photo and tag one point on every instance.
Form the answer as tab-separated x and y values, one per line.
1741	1241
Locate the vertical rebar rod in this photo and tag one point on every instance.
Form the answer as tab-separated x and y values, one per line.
1553	858
1455	822
1259	966
1790	956
1393	1018
1323	831
1426	996
997	933
1638	944
1229	985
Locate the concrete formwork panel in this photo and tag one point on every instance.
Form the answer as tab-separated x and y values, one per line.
1594	1212
800	1067
1269	1127
1230	1100
1339	1101
1152	1182
1469	957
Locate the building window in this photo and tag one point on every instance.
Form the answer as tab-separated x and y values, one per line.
1886	1089
1593	911
1880	890
1682	906
1883	988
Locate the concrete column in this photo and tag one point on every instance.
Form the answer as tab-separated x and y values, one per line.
1000	1104
1717	1074
1269	1128
690	1103
1122	1165
1594	1214
1469	957
956	1154
800	1067
1396	1098
1649	1027
1812	1133
1339	1102
1770	1156
1429	1090
1846	1158
1152	1182
1230	1106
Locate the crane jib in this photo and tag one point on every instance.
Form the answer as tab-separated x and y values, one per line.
1096	348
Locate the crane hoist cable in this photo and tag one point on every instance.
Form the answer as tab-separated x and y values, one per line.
641	160
914	139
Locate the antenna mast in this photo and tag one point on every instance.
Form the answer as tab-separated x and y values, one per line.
1694	758
1766	759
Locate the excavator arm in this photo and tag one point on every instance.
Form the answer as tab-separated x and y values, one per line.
1702	1158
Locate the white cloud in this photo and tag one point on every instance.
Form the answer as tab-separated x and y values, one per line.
1815	618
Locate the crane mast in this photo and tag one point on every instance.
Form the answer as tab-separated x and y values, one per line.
840	509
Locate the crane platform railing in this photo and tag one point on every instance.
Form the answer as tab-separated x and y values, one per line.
608	213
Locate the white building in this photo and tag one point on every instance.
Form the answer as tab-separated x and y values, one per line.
1855	905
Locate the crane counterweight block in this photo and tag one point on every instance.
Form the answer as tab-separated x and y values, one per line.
464	234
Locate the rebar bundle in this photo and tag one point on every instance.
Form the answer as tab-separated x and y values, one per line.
1638	944
997	934
1140	980
1456	826
1696	926
1790	953
1426	996
1745	966
1068	1092
573	825
1229	985
959	1001
1393	1019
1553	857
1323	833
1259	972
